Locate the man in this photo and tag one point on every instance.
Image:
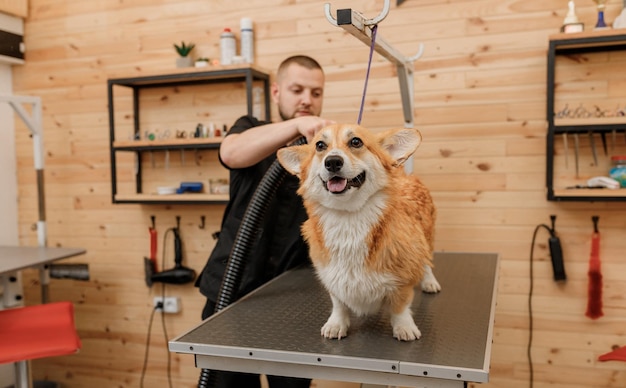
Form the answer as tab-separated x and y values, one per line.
247	151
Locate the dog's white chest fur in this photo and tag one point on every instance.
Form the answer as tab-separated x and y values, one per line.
346	275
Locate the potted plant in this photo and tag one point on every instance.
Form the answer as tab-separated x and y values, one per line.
202	62
183	50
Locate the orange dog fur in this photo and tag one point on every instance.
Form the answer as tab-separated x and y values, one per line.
370	226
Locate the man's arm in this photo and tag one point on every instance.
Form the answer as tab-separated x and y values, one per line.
241	150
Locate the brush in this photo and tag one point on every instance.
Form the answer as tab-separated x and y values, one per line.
594	298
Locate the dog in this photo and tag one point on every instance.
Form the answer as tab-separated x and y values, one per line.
370	225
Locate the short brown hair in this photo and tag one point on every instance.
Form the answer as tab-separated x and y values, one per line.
302	60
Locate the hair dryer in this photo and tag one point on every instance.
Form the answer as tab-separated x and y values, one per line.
177	275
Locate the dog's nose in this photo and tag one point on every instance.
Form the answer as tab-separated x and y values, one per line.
333	163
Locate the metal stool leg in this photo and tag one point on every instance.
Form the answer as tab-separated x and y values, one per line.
22	375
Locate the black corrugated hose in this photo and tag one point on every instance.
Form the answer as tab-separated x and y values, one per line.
246	235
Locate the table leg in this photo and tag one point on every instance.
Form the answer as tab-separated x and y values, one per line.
12	295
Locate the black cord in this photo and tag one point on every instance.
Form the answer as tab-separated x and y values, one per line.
169	355
145	357
530	304
157	307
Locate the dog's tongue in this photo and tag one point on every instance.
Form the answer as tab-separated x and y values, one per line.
336	185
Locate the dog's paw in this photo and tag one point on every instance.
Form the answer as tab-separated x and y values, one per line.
404	328
429	283
335	328
430	286
406	332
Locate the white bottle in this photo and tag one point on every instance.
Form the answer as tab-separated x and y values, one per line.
247	40
228	47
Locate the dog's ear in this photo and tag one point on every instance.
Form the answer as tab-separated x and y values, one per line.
400	143
291	158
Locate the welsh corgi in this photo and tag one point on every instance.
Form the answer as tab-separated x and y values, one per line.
370	225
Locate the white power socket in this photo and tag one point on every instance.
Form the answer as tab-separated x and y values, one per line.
171	305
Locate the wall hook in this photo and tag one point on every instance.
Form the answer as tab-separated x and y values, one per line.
178	222
202	220
153	218
368	22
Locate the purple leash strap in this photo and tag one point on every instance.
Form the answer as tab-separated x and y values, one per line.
367	75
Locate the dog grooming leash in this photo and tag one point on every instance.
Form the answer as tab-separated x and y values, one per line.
367	75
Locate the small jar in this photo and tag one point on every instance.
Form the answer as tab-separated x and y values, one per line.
618	169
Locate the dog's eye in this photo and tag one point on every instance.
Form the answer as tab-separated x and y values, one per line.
356	142
320	146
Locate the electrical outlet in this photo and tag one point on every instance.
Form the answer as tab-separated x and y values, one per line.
171	305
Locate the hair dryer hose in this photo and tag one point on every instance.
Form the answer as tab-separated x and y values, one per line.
246	234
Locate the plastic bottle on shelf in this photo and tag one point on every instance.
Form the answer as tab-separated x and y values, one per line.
228	47
618	169
247	40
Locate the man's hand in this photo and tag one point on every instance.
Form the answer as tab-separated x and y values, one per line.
308	126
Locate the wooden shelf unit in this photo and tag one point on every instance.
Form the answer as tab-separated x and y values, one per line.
181	77
572	45
196	198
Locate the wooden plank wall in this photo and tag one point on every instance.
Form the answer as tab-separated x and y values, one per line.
14	7
480	98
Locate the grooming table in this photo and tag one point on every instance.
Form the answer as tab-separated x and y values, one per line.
275	330
15	258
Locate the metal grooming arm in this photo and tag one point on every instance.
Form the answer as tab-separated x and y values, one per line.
360	27
34	123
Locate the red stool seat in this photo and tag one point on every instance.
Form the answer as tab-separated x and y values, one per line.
39	331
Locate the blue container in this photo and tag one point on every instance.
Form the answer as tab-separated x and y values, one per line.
618	169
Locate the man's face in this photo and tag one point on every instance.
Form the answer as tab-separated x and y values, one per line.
299	92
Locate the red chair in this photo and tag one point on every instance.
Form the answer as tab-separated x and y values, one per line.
28	333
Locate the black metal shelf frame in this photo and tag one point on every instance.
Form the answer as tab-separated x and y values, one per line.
574	46
164	147
181	201
248	75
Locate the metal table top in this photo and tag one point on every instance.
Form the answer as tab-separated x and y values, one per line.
15	258
276	330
